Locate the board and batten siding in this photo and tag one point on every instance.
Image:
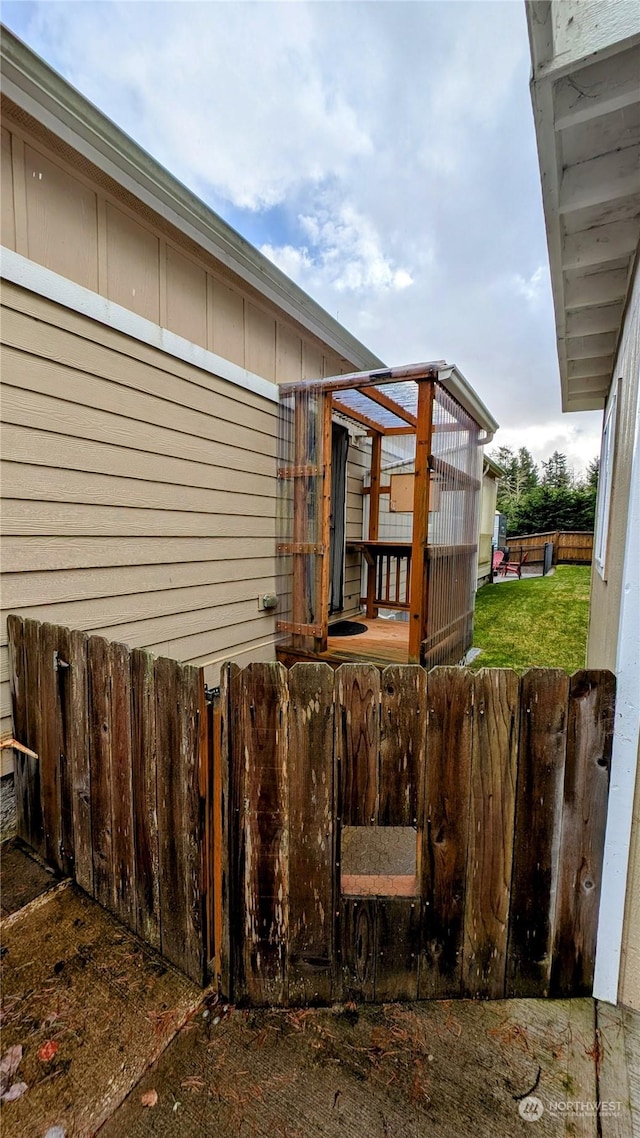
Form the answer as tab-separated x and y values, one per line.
138	492
66	215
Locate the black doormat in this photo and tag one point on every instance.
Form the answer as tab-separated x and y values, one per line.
346	628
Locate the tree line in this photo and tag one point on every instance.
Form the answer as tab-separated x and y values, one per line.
550	498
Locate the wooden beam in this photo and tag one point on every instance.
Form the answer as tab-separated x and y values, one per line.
585	368
390	405
600	318
300	534
600	244
420	536
355	381
393	431
374	519
602	179
586	289
322	617
586	347
599	89
358	417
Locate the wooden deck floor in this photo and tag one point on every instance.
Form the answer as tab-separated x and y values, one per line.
384	642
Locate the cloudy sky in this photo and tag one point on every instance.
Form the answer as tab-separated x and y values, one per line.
381	153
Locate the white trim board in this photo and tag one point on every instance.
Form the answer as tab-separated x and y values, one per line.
35	278
624	758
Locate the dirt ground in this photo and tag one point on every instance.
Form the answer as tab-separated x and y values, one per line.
139	1050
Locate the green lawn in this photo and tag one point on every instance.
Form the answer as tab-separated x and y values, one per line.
540	622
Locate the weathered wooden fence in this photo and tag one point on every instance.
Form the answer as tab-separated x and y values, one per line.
321	835
573	547
119	796
501	785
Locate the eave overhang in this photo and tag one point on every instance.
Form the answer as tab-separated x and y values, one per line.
586	102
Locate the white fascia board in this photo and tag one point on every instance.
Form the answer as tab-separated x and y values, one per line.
29	83
624	758
455	383
35	278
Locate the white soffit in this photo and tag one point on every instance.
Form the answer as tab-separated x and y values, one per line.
586	99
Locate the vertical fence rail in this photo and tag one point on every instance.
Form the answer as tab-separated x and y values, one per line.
117	795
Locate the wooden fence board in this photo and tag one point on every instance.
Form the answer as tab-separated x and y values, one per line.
260	769
358	742
491	822
145	796
18	681
402	745
586	785
445	830
358	926
32	815
124	875
311	833
230	836
543	740
99	685
178	710
51	640
397	948
78	759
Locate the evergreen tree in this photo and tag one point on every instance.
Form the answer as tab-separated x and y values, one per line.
556	473
592	474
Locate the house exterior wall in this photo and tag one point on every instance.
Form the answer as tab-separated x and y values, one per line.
488	498
61	212
605	593
138	493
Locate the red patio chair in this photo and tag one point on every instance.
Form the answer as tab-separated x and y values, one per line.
514	566
498	558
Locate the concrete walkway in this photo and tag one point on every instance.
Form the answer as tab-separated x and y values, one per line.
139	1050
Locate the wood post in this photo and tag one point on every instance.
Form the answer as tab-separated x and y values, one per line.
419	592
374	520
324	464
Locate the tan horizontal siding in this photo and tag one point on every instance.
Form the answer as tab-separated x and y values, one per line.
27	589
34	373
50	484
69	519
31	554
42	412
139	498
20	443
152	377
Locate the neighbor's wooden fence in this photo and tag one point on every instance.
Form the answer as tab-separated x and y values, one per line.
120	794
568	547
504	781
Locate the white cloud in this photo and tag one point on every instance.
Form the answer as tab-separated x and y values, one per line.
579	439
344	251
532	288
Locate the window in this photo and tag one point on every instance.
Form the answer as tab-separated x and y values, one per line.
605	480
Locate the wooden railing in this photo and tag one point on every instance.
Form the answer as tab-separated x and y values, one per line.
388	574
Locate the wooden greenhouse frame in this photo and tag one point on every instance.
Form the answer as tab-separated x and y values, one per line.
432	575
